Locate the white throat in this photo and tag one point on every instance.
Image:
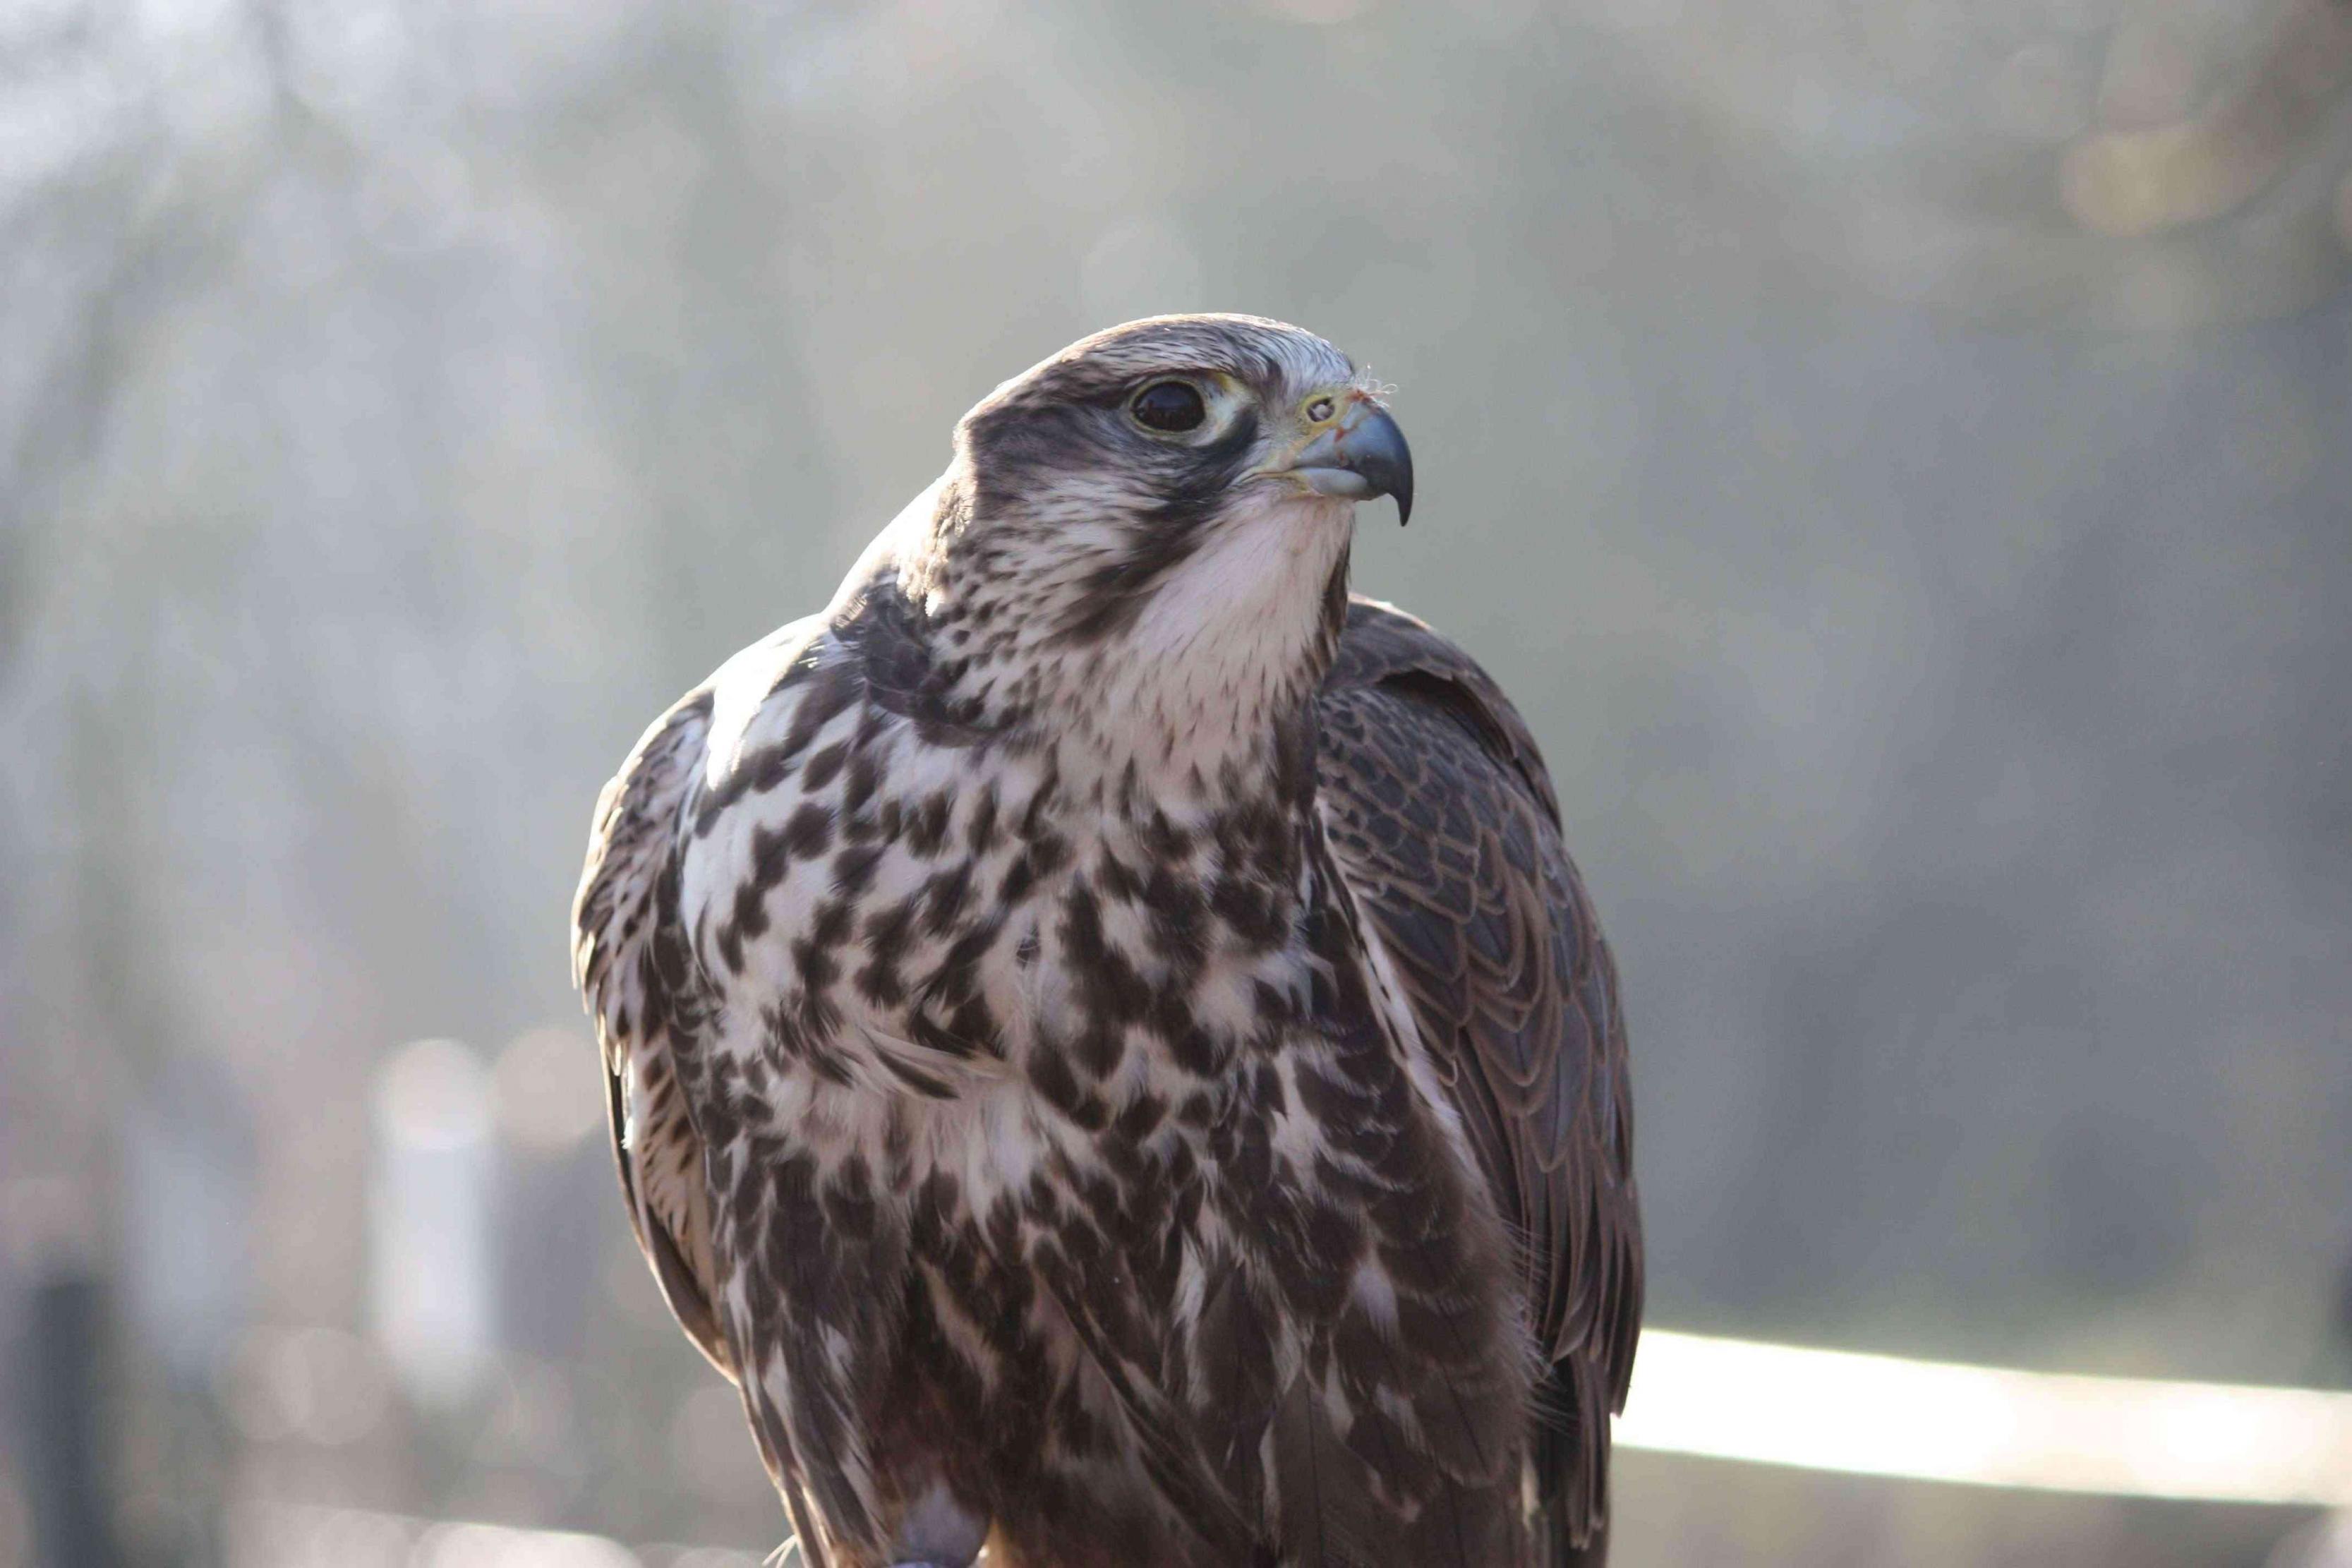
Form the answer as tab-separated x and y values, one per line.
1218	652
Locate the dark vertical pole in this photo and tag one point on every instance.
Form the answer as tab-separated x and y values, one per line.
63	1383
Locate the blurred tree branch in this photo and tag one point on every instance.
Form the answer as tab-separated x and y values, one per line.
2139	181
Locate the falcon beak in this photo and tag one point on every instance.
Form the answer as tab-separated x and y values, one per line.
1363	455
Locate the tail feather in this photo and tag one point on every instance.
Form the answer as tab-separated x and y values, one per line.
1568	1471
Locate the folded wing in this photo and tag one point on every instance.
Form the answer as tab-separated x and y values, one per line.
1443	821
630	960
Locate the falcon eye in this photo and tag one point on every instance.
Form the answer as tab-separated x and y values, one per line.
1174	406
1318	411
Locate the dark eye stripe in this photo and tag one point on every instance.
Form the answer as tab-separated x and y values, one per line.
1173	407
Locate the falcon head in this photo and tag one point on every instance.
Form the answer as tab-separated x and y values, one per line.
1160	515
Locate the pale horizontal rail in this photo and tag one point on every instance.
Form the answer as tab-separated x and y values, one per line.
1741	1400
1988	1426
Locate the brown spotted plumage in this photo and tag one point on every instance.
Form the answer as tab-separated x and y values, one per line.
1106	1047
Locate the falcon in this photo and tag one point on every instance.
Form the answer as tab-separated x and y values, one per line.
1106	1047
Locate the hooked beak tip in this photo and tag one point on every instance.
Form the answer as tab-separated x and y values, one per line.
1367	458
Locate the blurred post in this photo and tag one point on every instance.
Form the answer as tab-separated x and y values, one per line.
64	1396
430	1219
556	1192
187	1272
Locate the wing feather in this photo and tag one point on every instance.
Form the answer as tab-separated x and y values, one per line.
630	960
1443	821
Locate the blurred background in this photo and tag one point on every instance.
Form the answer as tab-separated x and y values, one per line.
1898	453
